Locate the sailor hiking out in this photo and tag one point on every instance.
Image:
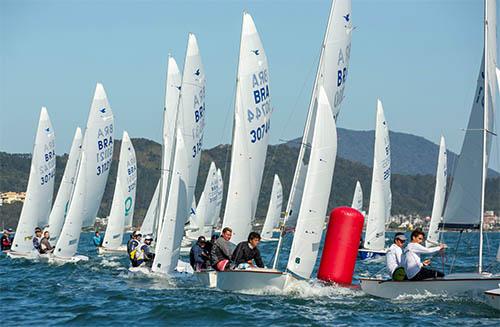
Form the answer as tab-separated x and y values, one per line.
414	267
222	250
246	252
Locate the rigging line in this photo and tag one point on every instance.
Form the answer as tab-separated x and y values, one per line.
455	252
314	63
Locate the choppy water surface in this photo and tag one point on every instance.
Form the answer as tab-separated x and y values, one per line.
101	292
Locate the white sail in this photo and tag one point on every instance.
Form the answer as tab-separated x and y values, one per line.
220	194
380	193
310	222
63	198
148	222
170	236
207	205
96	157
357	199
36	207
190	121
332	73
274	209
439	196
252	117
172	92
122	207
463	208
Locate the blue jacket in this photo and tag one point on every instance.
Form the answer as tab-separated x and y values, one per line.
196	255
97	240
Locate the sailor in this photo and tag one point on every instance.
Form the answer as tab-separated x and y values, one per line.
143	254
5	242
393	257
37	238
247	251
414	267
198	256
97	239
132	245
45	246
222	250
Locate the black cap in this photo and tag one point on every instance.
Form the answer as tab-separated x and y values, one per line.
38	229
201	239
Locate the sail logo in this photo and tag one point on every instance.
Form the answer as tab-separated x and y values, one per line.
256	52
128	205
197	72
102	110
347	18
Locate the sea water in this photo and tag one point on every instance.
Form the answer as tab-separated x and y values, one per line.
101	292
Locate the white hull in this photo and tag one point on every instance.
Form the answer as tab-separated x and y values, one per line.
22	255
269	240
207	278
454	284
119	250
74	259
492	298
252	279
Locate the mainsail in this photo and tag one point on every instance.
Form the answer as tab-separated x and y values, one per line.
63	198
148	225
332	73
357	199
252	118
122	207
274	209
439	196
36	207
380	193
96	157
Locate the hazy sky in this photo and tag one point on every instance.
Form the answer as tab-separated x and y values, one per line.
420	57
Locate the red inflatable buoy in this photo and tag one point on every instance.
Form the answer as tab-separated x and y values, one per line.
341	245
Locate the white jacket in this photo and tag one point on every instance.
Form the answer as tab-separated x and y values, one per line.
393	258
411	258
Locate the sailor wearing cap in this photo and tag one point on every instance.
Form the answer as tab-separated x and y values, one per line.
37	239
395	252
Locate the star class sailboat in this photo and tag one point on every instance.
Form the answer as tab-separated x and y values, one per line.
122	206
379	211
273	211
307	206
36	207
465	206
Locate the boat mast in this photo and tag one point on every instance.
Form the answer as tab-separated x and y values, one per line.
484	131
303	146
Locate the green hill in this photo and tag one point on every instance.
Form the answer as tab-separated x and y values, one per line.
410	193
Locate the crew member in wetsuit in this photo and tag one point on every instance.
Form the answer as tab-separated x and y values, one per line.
37	239
45	246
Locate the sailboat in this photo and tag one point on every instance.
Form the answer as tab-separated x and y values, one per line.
273	211
122	206
184	162
95	162
63	198
36	207
202	225
439	196
357	199
465	206
252	118
379	211
251	127
307	206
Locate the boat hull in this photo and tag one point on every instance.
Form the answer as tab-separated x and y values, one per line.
455	284
23	255
207	278
492	298
119	250
364	254
74	259
252	279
